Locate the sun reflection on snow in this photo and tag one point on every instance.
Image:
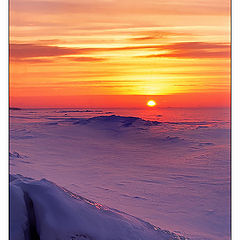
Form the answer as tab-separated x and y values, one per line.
75	196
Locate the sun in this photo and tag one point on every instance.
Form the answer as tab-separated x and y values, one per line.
151	103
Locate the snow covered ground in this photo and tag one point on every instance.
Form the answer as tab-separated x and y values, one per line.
42	210
169	167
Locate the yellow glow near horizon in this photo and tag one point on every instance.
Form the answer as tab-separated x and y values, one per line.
151	103
131	51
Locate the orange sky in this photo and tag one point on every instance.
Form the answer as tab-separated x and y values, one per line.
110	53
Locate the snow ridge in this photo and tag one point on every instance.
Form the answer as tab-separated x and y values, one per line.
39	209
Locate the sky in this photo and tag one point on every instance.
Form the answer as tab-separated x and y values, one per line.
119	53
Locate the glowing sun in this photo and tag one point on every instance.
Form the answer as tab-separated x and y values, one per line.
151	103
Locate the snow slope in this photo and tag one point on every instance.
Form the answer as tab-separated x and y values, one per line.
39	209
169	167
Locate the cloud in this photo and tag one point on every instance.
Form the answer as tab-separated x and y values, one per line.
144	38
97	82
187	7
34	53
86	59
32	50
156	35
39	53
26	51
193	54
194	50
195	45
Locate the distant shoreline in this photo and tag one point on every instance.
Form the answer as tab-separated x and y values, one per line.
15	108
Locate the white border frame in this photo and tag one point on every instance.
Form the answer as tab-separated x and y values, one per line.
4	120
235	119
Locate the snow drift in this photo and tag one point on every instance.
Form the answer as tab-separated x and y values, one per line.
39	209
171	170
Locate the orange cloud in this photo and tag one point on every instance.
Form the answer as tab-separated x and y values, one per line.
194	50
85	59
201	7
179	49
105	47
32	50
